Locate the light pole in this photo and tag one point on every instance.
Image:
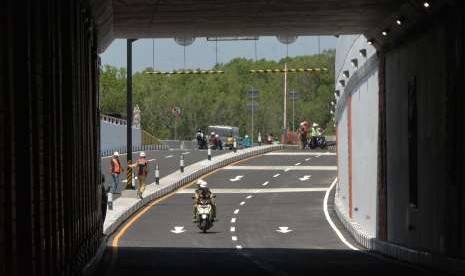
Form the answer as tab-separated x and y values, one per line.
129	112
252	94
285	105
294	96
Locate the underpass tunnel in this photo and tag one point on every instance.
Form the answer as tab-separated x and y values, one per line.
399	117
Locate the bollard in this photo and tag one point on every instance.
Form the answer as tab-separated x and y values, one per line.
209	153
110	201
181	163
235	145
129	176
134	178
157	174
259	139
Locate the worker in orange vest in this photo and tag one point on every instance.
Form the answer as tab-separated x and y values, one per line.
116	170
142	171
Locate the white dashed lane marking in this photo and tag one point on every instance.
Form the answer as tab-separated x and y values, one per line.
276	175
233	220
236	211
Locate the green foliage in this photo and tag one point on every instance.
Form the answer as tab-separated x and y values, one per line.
222	99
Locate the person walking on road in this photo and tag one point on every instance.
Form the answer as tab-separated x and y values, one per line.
116	170
142	171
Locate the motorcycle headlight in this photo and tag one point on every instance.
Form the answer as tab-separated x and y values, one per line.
204	216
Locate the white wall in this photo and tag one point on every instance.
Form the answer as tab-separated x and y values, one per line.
113	135
361	89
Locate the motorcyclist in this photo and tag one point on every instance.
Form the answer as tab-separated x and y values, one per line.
203	192
315	130
230	141
218	142
270	139
303	132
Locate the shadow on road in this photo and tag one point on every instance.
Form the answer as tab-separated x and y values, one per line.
258	261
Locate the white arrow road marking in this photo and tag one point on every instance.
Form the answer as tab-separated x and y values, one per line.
305	177
237	178
242	203
234	238
168	156
276	175
236	211
297	164
233	229
233	220
238	247
249	197
178	230
284	229
266	183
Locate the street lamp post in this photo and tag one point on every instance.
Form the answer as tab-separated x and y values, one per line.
129	112
252	94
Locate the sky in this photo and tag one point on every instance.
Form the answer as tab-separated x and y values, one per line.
165	54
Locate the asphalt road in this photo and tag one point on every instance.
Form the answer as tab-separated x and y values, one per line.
271	222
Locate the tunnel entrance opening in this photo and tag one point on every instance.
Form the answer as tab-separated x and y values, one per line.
52	213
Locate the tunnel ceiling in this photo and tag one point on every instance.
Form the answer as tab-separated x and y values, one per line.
200	18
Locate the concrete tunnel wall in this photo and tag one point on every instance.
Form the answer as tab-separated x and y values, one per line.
357	126
416	83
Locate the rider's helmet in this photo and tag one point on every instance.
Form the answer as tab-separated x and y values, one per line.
142	154
213	133
216	135
203	184
246	136
315	124
116	154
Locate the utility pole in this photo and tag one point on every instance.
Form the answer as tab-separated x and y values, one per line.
285	104
129	112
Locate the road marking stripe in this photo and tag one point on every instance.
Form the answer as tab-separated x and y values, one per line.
249	197
149	205
234	238
262	191
232	229
266	183
285	168
238	247
301	153
233	220
328	218
236	211
276	175
297	164
242	203
307	159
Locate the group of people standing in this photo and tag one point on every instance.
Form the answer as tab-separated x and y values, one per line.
141	168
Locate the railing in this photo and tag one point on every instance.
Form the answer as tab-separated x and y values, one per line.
136	148
113	120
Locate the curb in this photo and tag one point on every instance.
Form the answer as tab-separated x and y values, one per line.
92	265
398	252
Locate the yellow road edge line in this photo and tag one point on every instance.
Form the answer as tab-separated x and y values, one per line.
139	214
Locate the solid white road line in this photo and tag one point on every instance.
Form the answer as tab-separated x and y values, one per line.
259	191
285	168
331	223
301	153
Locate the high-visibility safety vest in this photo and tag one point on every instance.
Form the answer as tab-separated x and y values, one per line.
142	166
115	166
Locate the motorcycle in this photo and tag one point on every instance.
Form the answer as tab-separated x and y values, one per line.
204	215
318	141
202	141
